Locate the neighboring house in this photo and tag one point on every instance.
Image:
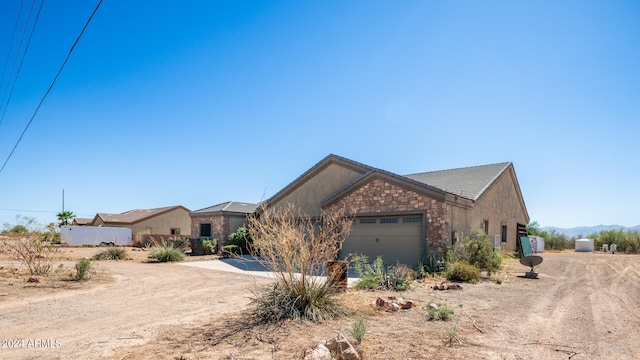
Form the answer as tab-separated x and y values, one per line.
81	221
402	218
165	222
219	221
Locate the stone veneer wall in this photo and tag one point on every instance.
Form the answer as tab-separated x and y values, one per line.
219	227
379	196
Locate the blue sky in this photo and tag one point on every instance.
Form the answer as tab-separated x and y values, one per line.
200	102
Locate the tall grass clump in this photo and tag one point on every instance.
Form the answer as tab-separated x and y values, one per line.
112	253
83	268
358	328
296	248
166	253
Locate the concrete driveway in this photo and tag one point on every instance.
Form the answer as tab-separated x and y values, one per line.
248	265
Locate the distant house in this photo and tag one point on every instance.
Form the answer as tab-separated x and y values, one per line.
81	221
402	218
219	221
165	222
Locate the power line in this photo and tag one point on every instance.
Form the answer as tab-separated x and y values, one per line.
15	59
13	37
24	54
51	86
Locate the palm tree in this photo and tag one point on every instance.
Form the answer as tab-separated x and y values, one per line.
65	218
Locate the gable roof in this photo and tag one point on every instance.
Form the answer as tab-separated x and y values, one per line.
468	182
134	216
82	221
229	206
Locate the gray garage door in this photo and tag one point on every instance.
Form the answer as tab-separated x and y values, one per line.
395	238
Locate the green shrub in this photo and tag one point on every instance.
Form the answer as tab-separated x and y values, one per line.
358	328
230	251
376	276
166	253
399	277
83	266
439	311
430	265
209	246
241	238
370	276
461	271
477	250
112	253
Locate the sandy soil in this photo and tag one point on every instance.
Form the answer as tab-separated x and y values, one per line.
583	306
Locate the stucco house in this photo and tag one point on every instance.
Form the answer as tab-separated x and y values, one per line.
404	217
160	222
219	221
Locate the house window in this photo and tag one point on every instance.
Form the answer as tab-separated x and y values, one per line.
367	221
389	221
412	220
175	231
485	224
205	230
503	235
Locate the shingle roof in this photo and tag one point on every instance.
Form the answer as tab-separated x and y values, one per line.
133	216
469	182
82	221
230	206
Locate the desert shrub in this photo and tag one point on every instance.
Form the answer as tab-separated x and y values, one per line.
439	311
399	277
32	250
209	246
626	241
554	240
462	271
166	253
241	238
230	251
83	267
296	249
112	253
477	250
358	328
371	276
430	265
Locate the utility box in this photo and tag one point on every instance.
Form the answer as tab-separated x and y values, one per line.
537	243
95	235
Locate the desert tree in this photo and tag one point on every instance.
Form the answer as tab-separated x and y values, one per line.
297	248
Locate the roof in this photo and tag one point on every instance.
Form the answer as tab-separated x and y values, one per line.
133	216
229	206
82	221
468	182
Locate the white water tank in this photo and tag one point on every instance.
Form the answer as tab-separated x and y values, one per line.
585	245
605	247
614	248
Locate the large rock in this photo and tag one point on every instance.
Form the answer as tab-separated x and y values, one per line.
342	349
320	352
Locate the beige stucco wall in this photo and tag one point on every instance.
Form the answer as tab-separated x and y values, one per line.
499	205
309	194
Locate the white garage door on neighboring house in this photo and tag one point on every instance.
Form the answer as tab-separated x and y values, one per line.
395	238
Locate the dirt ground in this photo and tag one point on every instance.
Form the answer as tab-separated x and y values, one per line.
583	306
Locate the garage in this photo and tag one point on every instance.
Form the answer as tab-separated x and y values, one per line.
395	238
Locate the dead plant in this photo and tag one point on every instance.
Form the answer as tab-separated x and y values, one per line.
296	248
33	250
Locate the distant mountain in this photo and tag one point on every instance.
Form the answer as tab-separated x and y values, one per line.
584	231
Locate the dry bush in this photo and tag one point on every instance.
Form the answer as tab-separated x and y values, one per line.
33	250
296	248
